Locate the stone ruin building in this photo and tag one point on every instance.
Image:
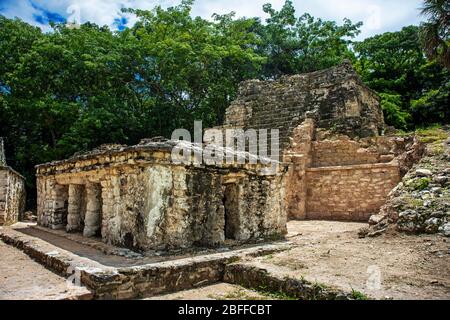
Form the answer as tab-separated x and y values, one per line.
12	192
341	167
137	197
336	165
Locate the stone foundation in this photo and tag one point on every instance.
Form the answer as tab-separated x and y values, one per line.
137	281
255	278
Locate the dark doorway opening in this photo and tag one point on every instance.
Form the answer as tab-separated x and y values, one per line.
231	204
61	207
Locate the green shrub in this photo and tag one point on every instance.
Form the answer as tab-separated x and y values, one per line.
419	184
393	113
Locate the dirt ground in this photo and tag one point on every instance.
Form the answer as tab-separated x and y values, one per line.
22	278
394	266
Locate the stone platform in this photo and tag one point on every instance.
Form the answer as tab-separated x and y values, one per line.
120	277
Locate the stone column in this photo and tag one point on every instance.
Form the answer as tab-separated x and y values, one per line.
57	207
107	208
74	210
92	221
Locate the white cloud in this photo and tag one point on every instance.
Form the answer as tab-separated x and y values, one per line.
378	15
21	9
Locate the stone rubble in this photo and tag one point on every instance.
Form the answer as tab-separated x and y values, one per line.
421	202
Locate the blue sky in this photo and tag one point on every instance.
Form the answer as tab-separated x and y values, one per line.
378	16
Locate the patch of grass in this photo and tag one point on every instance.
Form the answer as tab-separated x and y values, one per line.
269	257
402	133
432	134
318	290
359	295
436	149
294	264
412	203
319	286
278	295
239	294
419	184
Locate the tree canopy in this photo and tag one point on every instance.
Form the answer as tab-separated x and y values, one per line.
414	90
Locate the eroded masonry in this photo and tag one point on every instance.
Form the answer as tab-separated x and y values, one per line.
12	192
336	164
138	198
341	166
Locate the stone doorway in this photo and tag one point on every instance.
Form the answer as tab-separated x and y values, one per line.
231	204
85	209
60	214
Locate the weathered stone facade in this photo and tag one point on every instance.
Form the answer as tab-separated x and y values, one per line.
138	198
335	98
330	123
12	192
335	178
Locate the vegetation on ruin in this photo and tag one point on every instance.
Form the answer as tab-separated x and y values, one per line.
76	88
432	134
357	295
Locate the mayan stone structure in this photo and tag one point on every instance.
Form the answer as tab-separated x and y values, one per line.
333	177
335	164
335	98
331	126
137	197
12	192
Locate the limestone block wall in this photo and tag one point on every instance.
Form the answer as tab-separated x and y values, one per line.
343	152
351	193
333	177
12	196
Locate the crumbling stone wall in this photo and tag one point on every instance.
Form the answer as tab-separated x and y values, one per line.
138	198
299	156
331	126
343	152
12	192
333	177
335	98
